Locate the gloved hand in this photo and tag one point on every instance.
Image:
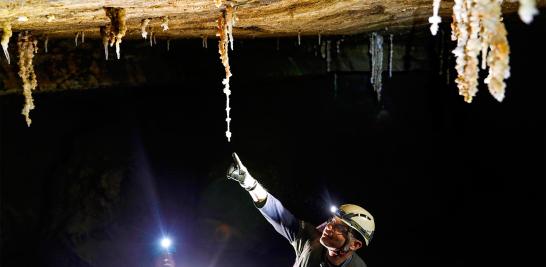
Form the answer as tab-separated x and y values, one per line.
238	172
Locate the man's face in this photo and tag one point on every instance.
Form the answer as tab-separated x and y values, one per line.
334	234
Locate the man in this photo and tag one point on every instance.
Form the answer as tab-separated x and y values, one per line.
350	229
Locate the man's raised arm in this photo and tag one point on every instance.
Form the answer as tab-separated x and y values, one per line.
272	209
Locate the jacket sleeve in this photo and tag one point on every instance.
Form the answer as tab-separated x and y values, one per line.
282	220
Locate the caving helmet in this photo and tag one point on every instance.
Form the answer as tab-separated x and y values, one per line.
358	219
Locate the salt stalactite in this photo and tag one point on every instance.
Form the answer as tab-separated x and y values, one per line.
204	41
118	26
477	27
376	52
230	21
465	26
328	55
27	47
168	44
527	10
278	44
338	46
105	39
45	43
151	38
299	38
6	34
435	19
498	57
76	38
391	48
83	37
155	39
165	23
143	25
319	39
223	46
323	50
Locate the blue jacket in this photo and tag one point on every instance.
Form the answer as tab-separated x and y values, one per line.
303	236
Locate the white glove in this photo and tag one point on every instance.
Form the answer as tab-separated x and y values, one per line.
238	172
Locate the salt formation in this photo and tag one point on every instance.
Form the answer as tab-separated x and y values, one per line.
435	19
204	41
151	38
6	34
165	23
223	46
391	36
338	46
22	19
323	50
230	21
50	18
168	44
376	52
76	38
83	37
104	36
27	47
319	41
299	38
143	24
498	57
118	27
478	28
466	26
527	10
45	43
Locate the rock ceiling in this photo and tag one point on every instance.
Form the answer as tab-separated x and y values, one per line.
197	18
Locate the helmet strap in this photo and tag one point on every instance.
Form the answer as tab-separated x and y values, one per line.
344	248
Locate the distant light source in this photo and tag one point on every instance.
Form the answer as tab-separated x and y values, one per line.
22	18
166	242
333	209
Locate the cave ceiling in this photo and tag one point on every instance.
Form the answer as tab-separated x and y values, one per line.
197	18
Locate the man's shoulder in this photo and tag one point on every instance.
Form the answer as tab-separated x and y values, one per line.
357	261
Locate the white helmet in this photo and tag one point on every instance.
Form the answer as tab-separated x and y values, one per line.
357	218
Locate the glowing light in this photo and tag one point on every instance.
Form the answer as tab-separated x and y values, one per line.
22	18
166	242
333	209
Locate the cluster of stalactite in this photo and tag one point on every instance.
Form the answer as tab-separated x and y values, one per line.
117	28
478	28
376	54
27	47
